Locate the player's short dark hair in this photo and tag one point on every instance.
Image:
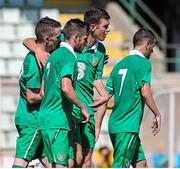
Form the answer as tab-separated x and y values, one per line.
45	27
142	35
74	26
94	15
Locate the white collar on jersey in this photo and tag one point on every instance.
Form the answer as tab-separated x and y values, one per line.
136	52
95	46
66	45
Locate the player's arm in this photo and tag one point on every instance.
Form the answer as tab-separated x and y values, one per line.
149	100
101	105
100	112
42	89
100	89
41	55
69	93
33	96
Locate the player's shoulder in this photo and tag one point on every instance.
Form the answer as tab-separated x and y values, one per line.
62	55
30	57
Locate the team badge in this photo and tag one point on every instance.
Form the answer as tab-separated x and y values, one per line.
94	60
61	156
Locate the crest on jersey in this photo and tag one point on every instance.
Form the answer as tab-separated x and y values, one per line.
94	60
61	156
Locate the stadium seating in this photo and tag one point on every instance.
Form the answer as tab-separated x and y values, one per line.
17	3
18	50
70	4
14	67
52	13
3	67
30	15
36	3
7	32
24	30
2	3
11	15
5	49
64	17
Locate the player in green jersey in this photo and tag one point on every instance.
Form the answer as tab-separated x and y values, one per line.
47	32
90	68
130	82
60	75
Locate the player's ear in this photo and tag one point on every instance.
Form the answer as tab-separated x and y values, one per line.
92	27
76	38
46	39
147	45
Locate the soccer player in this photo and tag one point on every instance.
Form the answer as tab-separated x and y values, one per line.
47	32
130	82
90	68
60	75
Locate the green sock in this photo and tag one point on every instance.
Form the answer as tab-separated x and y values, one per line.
17	166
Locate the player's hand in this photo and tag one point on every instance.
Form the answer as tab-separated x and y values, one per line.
41	57
99	101
97	132
86	115
106	59
156	125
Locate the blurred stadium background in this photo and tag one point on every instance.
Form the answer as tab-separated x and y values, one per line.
17	21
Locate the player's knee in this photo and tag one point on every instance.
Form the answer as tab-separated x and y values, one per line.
141	164
144	164
70	163
87	164
79	161
20	162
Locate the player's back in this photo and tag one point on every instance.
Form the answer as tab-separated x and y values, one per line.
61	63
127	79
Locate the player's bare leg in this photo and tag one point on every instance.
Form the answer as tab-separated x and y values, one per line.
141	164
20	162
87	154
58	166
70	163
45	162
78	155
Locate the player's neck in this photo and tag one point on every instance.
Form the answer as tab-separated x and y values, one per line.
71	42
91	41
140	49
42	46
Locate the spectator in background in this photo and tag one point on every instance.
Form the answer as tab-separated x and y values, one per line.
104	158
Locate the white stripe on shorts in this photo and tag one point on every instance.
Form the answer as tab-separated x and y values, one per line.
54	140
31	143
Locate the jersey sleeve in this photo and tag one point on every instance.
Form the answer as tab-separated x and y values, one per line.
67	69
33	74
144	74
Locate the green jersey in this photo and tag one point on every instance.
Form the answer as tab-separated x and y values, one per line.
56	110
30	77
90	68
125	82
